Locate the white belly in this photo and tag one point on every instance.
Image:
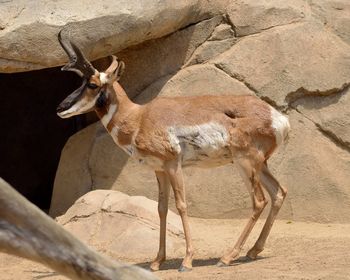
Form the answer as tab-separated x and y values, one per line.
204	145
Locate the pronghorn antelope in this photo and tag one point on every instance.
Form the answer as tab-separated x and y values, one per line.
168	134
25	231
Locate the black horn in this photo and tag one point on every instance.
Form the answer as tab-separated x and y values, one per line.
77	61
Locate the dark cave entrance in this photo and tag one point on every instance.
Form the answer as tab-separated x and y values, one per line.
32	135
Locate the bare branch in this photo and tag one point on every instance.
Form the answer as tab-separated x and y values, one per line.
27	232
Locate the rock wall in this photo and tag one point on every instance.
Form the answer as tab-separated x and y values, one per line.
293	54
28	29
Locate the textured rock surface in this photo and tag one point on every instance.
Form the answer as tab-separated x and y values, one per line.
122	226
279	66
314	168
335	15
73	170
28	29
161	57
330	113
189	81
251	17
294	55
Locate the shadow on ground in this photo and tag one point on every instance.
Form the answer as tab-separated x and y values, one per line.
176	263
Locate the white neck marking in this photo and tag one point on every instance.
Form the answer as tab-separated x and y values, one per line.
107	117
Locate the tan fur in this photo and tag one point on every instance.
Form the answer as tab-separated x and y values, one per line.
169	133
247	120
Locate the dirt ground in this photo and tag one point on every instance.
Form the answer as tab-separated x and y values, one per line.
294	250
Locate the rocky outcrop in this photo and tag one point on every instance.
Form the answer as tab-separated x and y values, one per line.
125	227
294	55
28	29
282	62
153	59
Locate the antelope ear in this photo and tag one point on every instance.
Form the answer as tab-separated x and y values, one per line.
115	69
118	72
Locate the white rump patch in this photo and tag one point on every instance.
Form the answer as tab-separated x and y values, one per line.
107	117
280	125
103	78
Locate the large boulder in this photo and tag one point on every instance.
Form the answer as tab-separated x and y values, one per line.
124	227
28	29
283	63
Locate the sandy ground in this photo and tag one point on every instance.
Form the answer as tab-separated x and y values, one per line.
294	250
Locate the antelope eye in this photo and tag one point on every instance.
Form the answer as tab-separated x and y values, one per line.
92	86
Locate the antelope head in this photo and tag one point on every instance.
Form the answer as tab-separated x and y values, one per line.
94	87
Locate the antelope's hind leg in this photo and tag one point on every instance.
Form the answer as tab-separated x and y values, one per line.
250	174
277	194
163	199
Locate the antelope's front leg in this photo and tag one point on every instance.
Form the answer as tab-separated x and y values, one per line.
163	198
174	171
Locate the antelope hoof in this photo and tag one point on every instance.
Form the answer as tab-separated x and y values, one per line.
184	268
253	253
222	264
154	266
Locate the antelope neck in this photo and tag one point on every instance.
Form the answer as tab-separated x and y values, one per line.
116	109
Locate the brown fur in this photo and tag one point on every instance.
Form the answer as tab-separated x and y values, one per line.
251	124
242	132
247	120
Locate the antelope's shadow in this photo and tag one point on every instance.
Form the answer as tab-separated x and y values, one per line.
176	263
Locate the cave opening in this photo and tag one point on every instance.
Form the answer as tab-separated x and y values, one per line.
32	135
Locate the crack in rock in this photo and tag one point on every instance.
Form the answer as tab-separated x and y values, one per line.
344	145
102	210
237	77
241	79
230	22
333	137
209	50
196	34
144	221
273	103
205	40
302	92
263	30
76	217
